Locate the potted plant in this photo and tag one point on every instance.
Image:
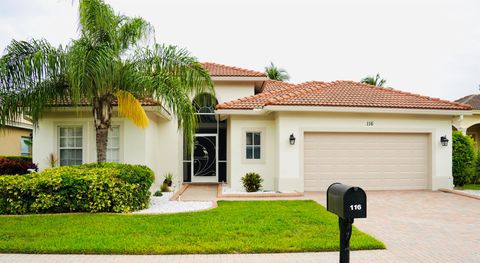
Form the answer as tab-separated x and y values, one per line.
168	179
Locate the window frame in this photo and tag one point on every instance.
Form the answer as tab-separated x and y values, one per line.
59	148
29	153
119	147
262	132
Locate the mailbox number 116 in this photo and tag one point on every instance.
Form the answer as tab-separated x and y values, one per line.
356	207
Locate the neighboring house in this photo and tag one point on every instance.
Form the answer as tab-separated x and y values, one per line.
470	124
16	139
297	137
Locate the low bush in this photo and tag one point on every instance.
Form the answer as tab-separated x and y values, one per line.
463	158
252	182
11	165
158	193
108	187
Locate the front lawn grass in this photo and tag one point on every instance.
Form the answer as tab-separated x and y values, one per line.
468	187
233	227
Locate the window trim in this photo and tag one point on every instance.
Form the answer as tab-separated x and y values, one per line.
72	125
29	146
120	142
262	132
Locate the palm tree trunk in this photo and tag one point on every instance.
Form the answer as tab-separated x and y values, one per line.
102	114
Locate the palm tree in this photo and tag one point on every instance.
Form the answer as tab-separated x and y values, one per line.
106	65
276	73
374	80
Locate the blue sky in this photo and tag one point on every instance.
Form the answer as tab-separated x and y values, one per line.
426	47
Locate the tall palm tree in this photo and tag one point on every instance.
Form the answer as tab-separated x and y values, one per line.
374	80
106	65
276	73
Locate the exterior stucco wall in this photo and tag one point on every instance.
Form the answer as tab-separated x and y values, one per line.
290	157
10	140
237	165
156	146
228	91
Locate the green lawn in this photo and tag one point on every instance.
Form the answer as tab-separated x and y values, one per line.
233	227
469	187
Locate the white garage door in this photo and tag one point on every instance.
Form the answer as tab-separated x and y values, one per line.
373	161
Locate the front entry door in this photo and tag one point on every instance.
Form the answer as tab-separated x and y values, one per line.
204	156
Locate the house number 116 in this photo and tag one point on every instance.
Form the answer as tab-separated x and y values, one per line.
356	207
369	123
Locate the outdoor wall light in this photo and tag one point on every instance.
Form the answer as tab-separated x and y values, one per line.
444	140
292	139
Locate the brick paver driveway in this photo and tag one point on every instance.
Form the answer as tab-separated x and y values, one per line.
422	226
416	226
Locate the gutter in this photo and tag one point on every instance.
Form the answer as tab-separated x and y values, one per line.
367	110
238	78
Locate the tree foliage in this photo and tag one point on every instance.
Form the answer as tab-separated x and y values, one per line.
463	158
374	80
275	73
107	64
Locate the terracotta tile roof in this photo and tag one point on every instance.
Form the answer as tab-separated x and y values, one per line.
84	102
271	85
472	100
341	94
219	70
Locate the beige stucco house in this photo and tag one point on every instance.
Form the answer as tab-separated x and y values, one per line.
16	138
297	137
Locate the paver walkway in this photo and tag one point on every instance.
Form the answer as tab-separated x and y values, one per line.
416	226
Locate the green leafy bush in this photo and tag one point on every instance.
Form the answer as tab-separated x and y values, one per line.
463	158
158	193
252	182
108	187
16	165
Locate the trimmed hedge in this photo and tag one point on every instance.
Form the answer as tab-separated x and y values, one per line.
108	187
19	157
463	158
11	165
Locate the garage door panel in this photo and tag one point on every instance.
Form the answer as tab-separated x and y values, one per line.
374	161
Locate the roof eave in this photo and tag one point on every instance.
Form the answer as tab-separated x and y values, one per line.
289	108
241	111
238	78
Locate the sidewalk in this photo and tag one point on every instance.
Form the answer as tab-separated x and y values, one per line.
326	257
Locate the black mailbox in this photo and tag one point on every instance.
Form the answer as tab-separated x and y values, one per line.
346	201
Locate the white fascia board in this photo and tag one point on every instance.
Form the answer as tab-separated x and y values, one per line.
159	111
20	125
241	112
239	78
367	110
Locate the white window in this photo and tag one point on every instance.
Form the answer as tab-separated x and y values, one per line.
25	144
71	145
113	145
253	146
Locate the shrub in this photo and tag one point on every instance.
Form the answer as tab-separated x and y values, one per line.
105	187
252	182
158	193
12	165
463	158
24	158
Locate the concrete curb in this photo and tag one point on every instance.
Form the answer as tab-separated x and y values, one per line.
451	191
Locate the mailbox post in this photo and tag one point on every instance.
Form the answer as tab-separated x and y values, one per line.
348	203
